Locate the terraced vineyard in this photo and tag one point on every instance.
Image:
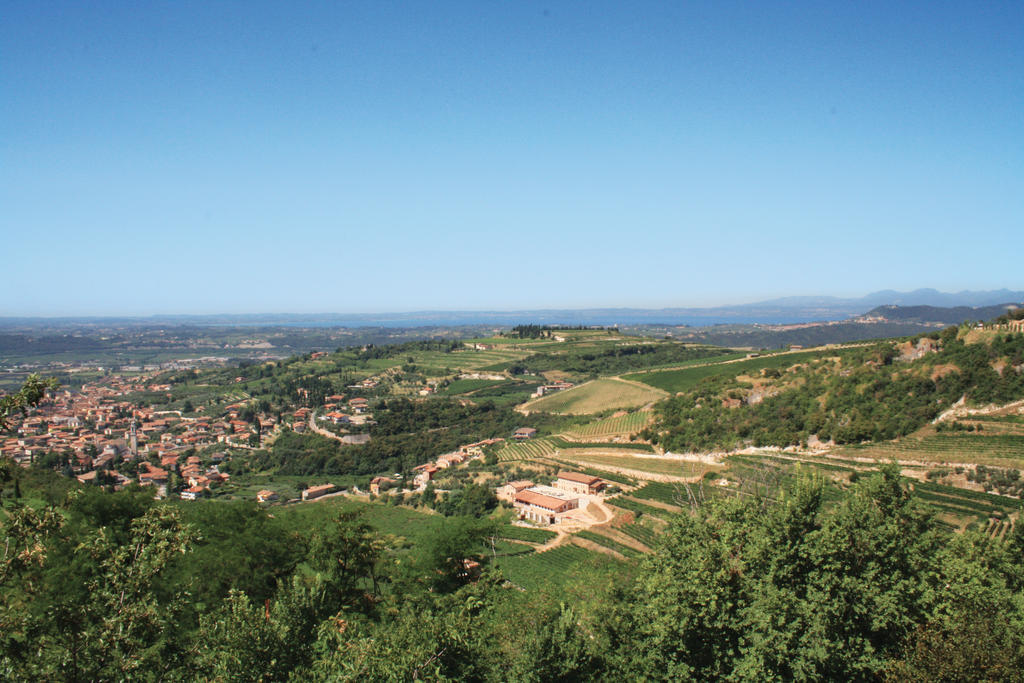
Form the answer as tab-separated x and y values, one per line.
527	450
630	423
642	531
637	506
560	442
961	504
609	543
990	449
672	494
999	528
965	503
523	533
550	445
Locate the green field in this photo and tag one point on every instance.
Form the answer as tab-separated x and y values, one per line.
556	567
462	386
683	380
595	397
387	519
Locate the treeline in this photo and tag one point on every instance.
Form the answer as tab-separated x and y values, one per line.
114	587
868	396
614	360
370	351
45	344
546	331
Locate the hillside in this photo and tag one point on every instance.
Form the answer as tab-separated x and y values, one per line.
745	479
935	315
872	392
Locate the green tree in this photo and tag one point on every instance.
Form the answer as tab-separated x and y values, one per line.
31	393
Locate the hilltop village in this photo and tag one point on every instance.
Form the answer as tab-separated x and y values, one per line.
100	437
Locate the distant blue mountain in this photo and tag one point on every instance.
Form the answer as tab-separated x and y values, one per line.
888	297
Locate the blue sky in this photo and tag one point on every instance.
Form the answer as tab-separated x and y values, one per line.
307	157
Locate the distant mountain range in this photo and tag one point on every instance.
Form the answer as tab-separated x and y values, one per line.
953	315
888	297
788	310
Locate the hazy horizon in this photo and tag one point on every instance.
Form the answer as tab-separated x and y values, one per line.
961	298
229	157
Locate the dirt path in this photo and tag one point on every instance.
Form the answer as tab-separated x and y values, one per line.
558	540
625	539
597	547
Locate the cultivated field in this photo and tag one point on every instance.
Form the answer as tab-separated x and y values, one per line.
624	425
1000	450
527	450
594	397
468	359
687	378
656	466
556	567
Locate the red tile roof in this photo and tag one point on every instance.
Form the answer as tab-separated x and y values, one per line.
579	478
540	500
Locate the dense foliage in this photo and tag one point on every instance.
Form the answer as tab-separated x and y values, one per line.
409	433
867	394
115	586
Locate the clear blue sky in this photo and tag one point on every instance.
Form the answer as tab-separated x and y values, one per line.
176	157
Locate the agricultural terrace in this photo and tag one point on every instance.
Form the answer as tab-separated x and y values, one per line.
551	445
954	506
623	425
438	362
527	450
675	381
595	397
637	465
1000	450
